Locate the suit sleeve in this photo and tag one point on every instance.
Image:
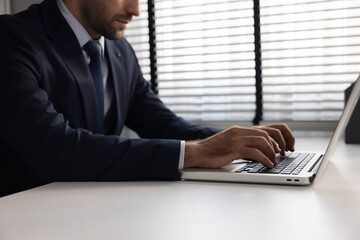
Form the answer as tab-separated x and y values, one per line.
31	125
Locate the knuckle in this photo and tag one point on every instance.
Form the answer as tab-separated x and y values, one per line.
261	132
277	131
264	139
233	129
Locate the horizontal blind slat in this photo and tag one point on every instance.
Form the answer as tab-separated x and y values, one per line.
208	57
310	52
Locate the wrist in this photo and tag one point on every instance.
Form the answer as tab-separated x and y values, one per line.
191	158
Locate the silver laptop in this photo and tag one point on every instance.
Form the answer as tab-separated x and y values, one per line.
297	168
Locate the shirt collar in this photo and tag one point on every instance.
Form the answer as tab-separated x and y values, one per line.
81	34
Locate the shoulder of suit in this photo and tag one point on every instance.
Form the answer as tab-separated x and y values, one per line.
22	21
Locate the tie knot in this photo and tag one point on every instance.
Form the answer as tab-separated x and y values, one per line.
93	48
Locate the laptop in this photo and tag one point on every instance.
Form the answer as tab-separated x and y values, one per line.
296	168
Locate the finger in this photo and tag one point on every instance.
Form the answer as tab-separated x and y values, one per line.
276	147
276	134
263	133
255	154
288	136
262	145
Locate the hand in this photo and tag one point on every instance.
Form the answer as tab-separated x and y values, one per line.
259	143
282	136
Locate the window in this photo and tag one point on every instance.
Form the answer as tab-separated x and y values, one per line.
205	57
138	36
310	54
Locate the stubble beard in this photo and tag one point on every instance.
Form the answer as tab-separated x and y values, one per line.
109	30
99	24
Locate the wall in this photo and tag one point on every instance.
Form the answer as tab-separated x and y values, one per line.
19	5
4	6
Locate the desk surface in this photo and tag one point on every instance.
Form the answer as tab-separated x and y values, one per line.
192	210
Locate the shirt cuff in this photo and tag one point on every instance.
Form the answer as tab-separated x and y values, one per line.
182	156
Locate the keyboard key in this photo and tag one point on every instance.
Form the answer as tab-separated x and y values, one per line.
271	170
256	169
303	164
286	171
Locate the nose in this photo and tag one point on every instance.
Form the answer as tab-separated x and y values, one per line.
133	7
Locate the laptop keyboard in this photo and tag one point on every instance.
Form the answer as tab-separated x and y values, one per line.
291	163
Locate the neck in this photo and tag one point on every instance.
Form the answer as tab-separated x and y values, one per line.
74	7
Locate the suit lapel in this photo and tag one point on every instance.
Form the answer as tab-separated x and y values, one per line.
67	46
118	74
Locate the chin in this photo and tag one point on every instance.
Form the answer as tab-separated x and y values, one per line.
120	36
114	35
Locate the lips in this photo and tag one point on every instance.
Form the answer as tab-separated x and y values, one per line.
123	23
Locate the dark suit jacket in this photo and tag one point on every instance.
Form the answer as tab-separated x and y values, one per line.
47	106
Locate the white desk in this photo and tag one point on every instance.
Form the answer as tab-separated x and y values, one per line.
192	210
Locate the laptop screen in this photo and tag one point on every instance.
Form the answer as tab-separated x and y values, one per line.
343	121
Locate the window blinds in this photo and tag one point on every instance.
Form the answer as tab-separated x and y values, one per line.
138	36
205	51
206	61
310	54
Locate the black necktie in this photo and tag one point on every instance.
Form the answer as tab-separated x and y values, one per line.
93	48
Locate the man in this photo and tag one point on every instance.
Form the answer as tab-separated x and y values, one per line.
70	82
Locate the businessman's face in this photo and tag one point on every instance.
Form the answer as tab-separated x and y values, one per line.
106	17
